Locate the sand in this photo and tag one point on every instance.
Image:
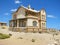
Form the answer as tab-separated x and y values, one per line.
40	39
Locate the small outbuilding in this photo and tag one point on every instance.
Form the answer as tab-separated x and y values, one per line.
3	25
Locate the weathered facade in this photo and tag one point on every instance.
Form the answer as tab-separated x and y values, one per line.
28	19
3	25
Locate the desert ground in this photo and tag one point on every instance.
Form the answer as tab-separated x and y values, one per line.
22	38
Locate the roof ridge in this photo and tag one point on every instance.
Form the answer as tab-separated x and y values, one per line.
30	9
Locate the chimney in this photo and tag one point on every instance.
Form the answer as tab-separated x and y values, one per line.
29	7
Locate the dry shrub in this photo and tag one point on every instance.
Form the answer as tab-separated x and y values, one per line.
20	38
33	40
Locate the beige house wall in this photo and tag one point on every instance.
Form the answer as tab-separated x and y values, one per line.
30	22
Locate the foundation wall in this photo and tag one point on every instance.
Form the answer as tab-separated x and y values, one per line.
24	29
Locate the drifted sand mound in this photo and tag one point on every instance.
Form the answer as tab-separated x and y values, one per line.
26	39
21	38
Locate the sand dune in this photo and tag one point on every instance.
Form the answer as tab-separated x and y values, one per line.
21	38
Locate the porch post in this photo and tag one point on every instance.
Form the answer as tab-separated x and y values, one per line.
12	23
17	23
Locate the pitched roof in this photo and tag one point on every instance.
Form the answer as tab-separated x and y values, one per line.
30	9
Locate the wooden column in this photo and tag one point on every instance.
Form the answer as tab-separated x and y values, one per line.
17	23
12	23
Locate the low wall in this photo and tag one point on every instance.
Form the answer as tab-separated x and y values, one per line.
24	29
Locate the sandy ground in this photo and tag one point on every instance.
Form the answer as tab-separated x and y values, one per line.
40	39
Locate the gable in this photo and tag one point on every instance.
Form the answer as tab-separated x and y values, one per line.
21	13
